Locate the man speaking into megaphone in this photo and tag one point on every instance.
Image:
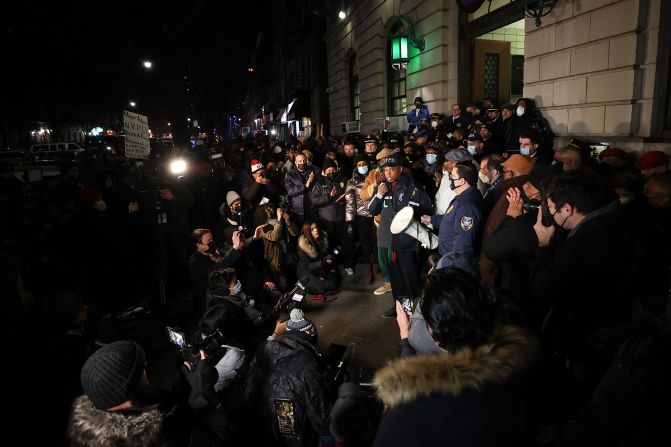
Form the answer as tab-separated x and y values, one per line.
394	193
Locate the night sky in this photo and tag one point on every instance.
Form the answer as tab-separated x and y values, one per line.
81	61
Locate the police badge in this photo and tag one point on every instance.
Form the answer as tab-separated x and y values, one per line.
466	223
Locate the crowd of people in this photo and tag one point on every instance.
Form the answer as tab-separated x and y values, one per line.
530	284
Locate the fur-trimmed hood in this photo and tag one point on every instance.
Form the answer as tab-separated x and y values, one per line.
311	250
92	427
509	352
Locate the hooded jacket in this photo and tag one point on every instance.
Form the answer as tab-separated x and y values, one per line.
462	398
138	426
287	372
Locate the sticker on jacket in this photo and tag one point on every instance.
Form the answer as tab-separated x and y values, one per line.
286	417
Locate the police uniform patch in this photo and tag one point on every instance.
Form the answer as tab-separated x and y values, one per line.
466	223
449	209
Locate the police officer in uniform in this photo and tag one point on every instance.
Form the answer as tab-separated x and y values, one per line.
459	227
397	191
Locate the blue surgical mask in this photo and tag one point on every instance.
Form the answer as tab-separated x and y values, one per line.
363	170
238	287
524	151
472	149
431	158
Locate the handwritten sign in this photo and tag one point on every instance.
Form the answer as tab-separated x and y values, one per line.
136	130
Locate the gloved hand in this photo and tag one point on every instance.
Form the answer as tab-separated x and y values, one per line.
202	380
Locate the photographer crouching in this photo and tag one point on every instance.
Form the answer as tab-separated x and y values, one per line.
317	267
118	406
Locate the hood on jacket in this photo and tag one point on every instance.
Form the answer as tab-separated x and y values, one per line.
92	427
311	250
290	350
509	352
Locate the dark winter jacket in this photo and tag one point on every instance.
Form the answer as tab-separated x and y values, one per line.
254	192
405	193
287	376
465	398
329	208
146	426
310	257
299	194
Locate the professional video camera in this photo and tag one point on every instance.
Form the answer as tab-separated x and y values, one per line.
290	299
113	325
336	361
191	352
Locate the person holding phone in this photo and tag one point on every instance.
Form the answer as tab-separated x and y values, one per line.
512	245
275	224
317	268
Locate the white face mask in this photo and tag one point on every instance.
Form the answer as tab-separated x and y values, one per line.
626	199
524	151
434	124
520	111
472	149
483	178
278	150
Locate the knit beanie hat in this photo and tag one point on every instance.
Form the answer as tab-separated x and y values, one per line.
298	322
112	373
256	166
231	196
328	163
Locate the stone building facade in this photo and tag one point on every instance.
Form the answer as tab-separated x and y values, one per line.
597	69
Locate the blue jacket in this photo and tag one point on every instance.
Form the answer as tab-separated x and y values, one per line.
459	227
414	118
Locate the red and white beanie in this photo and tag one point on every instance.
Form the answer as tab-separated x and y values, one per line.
256	166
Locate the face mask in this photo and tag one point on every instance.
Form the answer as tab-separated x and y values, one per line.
524	151
434	124
520	111
300	167
363	170
483	178
452	185
211	248
626	199
228	178
449	135
431	158
331	176
308	163
100	205
472	150
238	287
278	150
236	209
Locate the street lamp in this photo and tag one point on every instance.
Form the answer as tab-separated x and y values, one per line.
132	103
147	64
342	15
399	52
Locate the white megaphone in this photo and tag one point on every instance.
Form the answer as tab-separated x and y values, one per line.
403	222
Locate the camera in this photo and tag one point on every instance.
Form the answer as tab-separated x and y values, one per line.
541	207
285	204
532	205
289	300
191	353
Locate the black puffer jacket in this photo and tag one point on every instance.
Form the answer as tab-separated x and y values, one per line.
287	375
